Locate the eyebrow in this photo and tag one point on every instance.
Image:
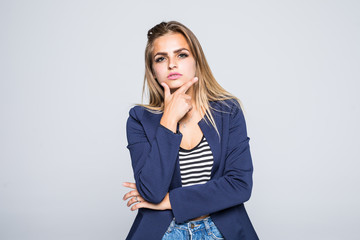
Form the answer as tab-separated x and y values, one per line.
176	51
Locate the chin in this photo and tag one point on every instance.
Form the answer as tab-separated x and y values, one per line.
175	84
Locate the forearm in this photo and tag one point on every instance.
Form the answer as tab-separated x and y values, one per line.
232	189
154	164
194	201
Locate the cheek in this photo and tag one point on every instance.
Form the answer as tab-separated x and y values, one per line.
191	67
158	71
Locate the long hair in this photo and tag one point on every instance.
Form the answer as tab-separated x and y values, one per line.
206	89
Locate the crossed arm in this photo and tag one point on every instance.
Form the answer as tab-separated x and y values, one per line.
153	171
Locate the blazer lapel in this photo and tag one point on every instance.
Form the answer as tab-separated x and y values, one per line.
212	138
151	121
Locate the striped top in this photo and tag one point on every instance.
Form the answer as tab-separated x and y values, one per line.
196	164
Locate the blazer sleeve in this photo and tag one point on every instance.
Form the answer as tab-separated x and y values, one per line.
153	160
233	188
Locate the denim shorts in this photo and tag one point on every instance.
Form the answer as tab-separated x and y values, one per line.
203	229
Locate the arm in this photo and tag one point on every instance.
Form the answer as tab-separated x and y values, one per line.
153	160
233	188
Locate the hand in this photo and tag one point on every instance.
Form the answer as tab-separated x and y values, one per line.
134	194
178	103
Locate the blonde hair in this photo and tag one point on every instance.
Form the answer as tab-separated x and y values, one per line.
206	88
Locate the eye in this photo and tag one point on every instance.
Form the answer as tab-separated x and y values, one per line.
160	59
183	55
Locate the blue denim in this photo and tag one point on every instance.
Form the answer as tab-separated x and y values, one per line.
203	229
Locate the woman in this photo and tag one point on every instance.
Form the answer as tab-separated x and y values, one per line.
189	147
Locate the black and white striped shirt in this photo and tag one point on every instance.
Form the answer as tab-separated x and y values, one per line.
196	163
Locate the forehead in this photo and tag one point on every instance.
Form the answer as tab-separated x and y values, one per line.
170	42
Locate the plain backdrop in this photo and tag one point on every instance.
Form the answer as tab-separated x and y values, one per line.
71	70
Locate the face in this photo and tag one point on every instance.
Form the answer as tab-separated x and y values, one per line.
173	62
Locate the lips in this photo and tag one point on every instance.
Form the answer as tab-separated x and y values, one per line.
174	76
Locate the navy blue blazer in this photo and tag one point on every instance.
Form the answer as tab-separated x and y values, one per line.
154	151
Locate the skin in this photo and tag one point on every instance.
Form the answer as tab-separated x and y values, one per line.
171	54
165	203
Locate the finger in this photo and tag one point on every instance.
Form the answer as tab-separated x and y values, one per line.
129	185
187	97
187	85
139	205
131	194
135	200
166	90
132	200
140	199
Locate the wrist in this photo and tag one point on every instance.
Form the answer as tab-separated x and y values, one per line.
169	123
167	202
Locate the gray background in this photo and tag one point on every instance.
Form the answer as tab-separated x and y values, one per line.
71	70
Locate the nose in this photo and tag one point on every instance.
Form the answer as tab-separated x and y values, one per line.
172	64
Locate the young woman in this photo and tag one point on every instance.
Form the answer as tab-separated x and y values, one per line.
189	147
